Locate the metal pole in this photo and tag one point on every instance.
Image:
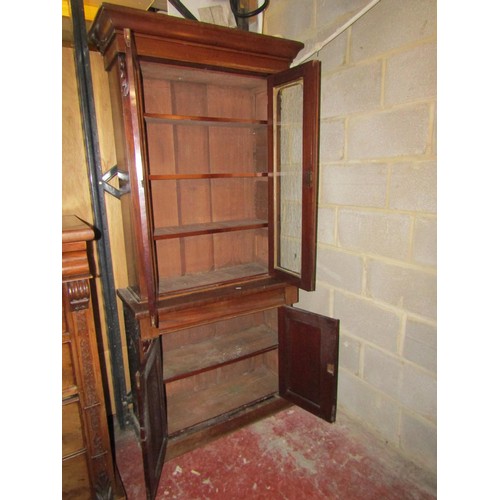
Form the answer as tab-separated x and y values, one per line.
89	123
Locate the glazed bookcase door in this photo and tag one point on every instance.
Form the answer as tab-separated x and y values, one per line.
133	100
293	131
308	361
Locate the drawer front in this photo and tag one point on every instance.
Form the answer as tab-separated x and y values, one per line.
75	478
68	374
72	432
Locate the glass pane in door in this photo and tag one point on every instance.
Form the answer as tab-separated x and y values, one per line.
288	130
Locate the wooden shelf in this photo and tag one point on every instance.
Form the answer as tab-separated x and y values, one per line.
218	276
201	120
189	408
176	177
208	228
191	359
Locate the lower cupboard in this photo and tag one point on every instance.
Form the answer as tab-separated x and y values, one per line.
215	369
205	378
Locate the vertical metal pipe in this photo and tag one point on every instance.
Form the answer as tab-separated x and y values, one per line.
242	22
89	123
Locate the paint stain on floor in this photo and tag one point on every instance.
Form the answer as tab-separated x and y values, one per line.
291	455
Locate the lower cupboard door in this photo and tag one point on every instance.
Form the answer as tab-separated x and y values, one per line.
152	417
308	360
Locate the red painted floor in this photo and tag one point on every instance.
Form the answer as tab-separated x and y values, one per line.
291	455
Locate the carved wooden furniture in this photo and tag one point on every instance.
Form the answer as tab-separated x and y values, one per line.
87	465
217	146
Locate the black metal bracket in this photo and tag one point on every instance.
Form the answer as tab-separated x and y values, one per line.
123	182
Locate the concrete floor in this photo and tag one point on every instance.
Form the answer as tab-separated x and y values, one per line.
291	455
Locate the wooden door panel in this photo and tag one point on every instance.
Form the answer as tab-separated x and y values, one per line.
152	416
308	360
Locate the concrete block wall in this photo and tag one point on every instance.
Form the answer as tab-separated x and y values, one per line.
377	207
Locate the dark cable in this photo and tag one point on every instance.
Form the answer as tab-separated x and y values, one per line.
237	13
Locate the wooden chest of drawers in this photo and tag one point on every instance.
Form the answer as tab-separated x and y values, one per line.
87	461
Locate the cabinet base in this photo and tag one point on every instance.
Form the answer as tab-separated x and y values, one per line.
201	435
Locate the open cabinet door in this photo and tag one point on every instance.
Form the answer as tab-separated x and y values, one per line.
152	416
137	158
294	132
308	361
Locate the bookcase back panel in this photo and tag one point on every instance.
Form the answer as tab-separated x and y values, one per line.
204	260
157	95
203	348
161	148
177	205
235	249
192	147
166	206
213	393
169	259
203	92
233	149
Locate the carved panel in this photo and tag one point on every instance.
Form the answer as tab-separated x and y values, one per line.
87	360
123	77
103	487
